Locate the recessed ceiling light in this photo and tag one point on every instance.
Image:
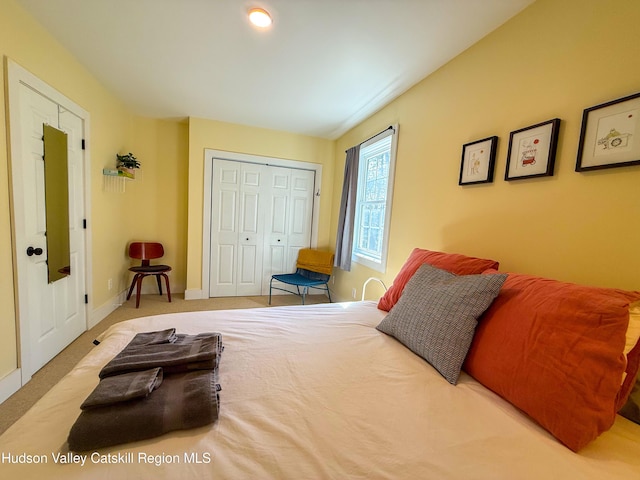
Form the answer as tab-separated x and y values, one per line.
260	17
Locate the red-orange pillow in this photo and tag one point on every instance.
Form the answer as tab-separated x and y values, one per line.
556	351
452	262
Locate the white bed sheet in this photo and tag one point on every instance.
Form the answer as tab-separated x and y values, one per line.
316	392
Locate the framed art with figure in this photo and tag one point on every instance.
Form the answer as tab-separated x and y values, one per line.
478	160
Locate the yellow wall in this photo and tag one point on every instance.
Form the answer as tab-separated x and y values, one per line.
153	206
254	141
554	59
160	189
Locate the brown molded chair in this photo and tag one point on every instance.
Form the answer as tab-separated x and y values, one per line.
147	251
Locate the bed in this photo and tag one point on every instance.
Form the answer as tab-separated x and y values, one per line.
318	392
315	392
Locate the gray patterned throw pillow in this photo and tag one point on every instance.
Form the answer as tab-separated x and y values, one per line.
437	313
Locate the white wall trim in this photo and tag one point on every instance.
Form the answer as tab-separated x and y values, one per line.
209	156
193	294
106	308
10	384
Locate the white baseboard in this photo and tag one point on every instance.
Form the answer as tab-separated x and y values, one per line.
338	299
10	384
194	294
105	309
341	300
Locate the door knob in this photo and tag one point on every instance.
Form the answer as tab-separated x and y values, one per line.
34	251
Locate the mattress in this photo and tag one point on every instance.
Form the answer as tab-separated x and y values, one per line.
314	392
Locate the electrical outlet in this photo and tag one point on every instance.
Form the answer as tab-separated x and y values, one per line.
110	283
353	293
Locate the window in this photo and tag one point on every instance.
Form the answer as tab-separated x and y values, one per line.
373	201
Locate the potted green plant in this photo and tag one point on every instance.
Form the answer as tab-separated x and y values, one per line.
127	164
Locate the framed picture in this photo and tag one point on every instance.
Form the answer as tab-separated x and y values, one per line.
478	159
610	135
532	151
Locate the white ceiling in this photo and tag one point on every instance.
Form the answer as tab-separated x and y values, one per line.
323	66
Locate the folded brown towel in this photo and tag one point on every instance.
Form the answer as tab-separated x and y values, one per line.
154	338
188	352
120	388
183	401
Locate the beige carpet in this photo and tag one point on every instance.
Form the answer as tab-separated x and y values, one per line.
16	405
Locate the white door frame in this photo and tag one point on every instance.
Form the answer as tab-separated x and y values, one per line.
209	156
17	75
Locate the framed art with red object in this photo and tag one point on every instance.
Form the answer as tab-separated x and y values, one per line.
532	151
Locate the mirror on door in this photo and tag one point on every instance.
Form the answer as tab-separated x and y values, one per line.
56	193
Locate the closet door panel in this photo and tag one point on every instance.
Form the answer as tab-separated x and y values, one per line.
226	272
301	208
224	226
250	239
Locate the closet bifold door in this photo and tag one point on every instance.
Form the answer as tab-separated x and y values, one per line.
288	221
253	188
261	217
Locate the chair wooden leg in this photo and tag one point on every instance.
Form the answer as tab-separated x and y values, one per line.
138	288
133	282
160	283
166	279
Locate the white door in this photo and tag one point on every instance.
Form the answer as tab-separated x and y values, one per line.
276	245
300	212
250	229
236	229
288	220
224	228
261	215
52	314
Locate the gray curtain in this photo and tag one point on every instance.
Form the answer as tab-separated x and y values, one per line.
344	240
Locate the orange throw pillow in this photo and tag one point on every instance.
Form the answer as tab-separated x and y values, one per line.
452	262
556	351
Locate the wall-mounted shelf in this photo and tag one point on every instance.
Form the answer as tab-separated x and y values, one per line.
114	180
113	172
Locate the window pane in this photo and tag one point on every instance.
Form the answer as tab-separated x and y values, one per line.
373	188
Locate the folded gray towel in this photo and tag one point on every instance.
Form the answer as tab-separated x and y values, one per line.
120	388
188	352
151	338
154	338
183	401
